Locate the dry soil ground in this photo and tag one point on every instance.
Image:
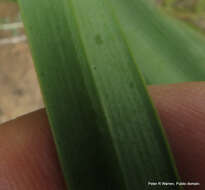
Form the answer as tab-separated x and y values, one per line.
19	90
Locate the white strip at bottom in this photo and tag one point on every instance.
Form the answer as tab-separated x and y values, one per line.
13	40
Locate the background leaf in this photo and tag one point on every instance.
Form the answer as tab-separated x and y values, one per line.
166	50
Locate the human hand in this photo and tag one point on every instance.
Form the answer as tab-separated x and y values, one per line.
28	158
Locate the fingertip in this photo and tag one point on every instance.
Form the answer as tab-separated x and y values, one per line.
28	155
182	111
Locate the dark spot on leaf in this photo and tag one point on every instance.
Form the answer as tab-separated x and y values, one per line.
98	39
131	85
42	74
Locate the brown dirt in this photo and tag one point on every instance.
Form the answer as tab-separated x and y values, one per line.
8	10
19	92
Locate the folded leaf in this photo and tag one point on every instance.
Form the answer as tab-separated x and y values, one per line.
87	54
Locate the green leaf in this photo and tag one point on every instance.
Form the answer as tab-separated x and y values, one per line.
87	54
165	50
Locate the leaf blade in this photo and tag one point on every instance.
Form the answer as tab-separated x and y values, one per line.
89	115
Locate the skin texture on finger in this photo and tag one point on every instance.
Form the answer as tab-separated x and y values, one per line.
182	111
28	158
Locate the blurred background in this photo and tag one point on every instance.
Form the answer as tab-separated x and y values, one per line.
19	90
